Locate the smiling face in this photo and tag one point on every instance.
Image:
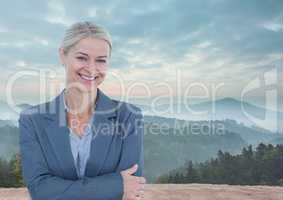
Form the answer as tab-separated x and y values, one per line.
86	64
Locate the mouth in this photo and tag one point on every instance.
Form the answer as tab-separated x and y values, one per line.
88	77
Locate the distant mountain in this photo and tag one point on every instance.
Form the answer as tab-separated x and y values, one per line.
7	112
221	109
11	113
252	135
231	107
278	140
170	142
247	113
7	123
168	148
23	106
165	148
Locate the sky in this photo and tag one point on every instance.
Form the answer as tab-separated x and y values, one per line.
175	49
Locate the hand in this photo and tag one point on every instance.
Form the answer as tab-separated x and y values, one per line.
133	185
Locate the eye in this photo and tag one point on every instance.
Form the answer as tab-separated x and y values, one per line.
81	58
101	61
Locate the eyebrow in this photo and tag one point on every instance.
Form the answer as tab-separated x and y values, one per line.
87	55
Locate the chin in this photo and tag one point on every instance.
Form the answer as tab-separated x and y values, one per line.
87	88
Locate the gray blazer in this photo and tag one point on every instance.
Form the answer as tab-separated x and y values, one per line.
48	166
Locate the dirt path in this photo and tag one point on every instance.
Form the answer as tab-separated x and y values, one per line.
184	192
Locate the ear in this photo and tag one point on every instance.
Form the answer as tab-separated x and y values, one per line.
61	55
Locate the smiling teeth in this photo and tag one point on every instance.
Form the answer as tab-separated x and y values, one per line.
89	78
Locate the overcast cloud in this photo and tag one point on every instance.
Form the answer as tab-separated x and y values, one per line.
211	41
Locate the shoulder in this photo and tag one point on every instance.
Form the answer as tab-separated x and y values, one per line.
130	118
127	111
125	108
118	108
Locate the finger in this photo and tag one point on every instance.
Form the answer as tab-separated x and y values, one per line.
142	194
132	170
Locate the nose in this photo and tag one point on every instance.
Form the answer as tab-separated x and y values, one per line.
91	64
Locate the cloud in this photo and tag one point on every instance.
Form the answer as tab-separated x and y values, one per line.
272	26
209	40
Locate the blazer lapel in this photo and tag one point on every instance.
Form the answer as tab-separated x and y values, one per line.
58	134
103	128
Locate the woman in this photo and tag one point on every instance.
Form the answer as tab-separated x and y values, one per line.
82	144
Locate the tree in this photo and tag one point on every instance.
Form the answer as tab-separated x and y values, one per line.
191	174
16	170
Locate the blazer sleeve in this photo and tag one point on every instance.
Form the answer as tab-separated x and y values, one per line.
133	150
43	185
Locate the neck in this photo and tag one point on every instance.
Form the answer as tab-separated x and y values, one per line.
80	103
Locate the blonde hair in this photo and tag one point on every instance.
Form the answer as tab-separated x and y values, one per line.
82	30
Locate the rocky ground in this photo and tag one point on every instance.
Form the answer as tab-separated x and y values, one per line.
183	192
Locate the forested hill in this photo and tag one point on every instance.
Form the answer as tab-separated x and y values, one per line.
260	166
169	143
